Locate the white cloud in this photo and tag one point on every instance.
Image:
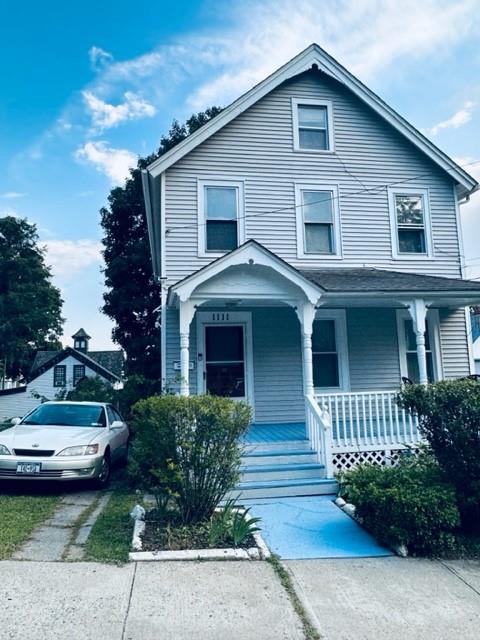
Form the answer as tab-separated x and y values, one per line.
105	116
99	57
12	195
461	117
68	257
8	211
114	163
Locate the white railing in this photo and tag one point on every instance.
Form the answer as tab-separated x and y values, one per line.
318	427
369	420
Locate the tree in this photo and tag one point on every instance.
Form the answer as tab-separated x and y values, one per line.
30	306
132	295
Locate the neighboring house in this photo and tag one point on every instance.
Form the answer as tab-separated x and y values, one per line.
56	371
475	322
308	243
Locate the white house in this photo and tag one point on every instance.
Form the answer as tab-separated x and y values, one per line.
309	248
57	371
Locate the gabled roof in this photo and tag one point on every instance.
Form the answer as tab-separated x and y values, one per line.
81	333
108	364
318	58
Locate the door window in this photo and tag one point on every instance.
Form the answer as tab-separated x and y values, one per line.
225	361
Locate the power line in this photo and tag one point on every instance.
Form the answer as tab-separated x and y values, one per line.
377	188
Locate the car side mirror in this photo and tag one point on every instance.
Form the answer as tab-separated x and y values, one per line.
116	425
15	421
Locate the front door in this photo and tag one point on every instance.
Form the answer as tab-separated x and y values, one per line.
223	356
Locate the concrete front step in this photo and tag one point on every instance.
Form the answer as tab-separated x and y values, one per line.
265	472
284	488
288	456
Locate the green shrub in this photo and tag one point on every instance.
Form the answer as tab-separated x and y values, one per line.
410	504
449	414
92	389
189	449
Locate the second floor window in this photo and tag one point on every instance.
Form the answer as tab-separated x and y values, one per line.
78	373
60	375
220	217
410	220
318	220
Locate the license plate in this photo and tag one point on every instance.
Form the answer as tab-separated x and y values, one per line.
28	468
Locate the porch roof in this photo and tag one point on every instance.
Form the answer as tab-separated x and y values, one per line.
372	280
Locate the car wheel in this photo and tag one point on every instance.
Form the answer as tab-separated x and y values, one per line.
104	475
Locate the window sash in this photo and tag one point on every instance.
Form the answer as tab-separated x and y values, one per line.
78	373
319	126
219	235
325	354
411	352
59	375
318	213
411	232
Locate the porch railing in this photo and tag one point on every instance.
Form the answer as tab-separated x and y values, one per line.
369	420
318	430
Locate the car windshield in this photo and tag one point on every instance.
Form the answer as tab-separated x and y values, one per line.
67	415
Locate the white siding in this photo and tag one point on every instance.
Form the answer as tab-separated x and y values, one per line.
15	405
258	148
43	385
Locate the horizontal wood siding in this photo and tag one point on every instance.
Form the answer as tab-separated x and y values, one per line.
277	362
373	349
453	336
257	147
16	405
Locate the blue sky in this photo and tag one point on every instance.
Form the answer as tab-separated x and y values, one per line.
87	87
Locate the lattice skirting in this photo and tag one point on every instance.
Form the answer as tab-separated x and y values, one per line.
385	458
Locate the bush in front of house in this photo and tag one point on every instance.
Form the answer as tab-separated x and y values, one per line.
449	416
90	389
411	504
188	449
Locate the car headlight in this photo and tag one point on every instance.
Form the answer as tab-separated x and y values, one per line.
82	450
4	451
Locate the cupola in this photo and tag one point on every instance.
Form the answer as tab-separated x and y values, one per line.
80	340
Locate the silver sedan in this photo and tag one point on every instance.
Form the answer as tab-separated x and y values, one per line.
64	441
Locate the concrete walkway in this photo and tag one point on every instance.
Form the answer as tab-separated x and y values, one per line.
171	601
64	535
391	598
312	527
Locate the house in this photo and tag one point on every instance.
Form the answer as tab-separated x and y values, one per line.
475	322
54	372
309	247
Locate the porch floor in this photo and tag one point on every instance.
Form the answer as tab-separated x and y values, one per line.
260	433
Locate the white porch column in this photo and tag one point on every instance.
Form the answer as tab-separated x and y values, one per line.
306	315
187	311
418	312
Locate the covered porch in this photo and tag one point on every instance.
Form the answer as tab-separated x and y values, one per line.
319	355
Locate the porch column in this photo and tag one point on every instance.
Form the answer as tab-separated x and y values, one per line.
418	312
306	315
187	311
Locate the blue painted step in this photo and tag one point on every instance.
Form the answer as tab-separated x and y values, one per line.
283	488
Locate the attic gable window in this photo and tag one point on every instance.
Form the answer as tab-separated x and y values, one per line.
220	217
410	221
59	375
312	125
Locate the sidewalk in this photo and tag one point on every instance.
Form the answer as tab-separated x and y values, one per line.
144	601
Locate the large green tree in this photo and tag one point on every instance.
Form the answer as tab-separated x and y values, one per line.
30	306
132	294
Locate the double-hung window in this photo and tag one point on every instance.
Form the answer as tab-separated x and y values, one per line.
312	125
220	217
329	351
410	222
78	373
318	220
60	375
407	343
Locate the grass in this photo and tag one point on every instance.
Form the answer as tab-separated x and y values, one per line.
308	629
20	515
111	535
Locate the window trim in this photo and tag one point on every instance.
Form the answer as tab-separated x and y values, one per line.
413	191
296	102
337	235
77	366
339	316
202	183
433	319
55	369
